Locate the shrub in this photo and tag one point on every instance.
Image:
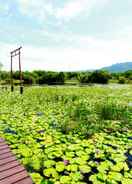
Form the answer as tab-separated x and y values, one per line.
122	80
99	77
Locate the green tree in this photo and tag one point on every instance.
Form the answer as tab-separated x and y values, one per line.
122	80
83	77
100	77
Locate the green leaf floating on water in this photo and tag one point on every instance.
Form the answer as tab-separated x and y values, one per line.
76	176
65	179
95	180
60	166
115	176
70	154
57	153
104	166
126	181
128	175
102	176
118	157
57	182
25	151
72	167
79	153
85	169
26	161
37	178
36	164
120	166
49	163
50	172
79	160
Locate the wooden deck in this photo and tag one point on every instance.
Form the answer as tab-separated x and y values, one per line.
11	172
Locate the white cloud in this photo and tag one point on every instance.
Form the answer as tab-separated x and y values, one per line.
72	8
35	8
80	52
92	53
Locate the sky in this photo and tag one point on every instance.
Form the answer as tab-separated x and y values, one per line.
66	35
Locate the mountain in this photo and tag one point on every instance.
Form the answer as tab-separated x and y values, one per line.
119	67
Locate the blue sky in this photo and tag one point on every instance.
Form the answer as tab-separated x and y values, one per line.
66	34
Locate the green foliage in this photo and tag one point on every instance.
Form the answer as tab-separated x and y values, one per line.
84	78
71	78
70	135
37	178
1	65
122	80
60	166
110	110
100	77
35	77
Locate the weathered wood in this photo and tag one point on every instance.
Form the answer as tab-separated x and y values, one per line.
11	171
14	178
3	147
24	181
6	155
2	143
7	160
9	166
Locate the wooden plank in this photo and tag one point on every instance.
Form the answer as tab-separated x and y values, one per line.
4	151
9	165
10	172
7	160
2	143
5	146
24	181
6	155
14	178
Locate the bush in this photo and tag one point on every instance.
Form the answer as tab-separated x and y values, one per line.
83	78
112	111
99	77
122	80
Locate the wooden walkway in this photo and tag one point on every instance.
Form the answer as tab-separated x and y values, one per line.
11	172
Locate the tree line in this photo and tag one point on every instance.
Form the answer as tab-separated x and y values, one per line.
47	77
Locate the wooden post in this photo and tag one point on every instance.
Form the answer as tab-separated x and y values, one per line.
14	53
12	87
20	71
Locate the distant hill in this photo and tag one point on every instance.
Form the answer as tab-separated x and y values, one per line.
119	67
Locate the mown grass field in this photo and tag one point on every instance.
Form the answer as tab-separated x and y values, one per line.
71	135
